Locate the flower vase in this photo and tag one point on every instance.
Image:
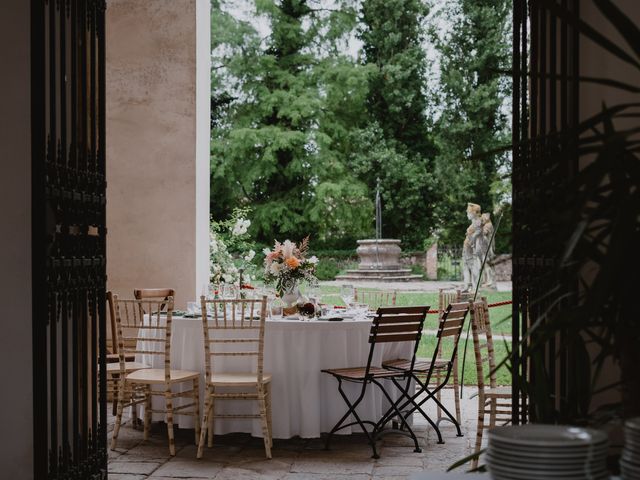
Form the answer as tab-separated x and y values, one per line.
290	299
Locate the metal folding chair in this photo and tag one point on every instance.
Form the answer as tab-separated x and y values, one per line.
391	324
423	372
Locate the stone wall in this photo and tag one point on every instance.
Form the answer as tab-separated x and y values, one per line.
502	265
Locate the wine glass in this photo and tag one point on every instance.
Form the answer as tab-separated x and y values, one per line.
347	292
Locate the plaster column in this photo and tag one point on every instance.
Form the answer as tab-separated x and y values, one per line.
158	64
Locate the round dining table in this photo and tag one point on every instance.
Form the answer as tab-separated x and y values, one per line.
305	402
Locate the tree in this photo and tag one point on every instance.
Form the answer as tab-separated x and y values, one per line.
397	145
474	53
268	149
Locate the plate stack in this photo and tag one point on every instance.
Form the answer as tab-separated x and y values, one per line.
630	460
529	452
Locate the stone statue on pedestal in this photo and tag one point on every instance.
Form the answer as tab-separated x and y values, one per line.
489	273
478	243
471	261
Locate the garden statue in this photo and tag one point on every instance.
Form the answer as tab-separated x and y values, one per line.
488	247
471	258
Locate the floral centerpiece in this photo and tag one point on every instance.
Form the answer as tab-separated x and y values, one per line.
287	265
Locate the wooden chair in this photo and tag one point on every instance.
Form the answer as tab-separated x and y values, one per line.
376	298
492	400
239	318
426	372
154	294
391	324
136	387
113	358
446	297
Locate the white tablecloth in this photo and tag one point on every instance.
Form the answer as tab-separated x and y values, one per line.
305	402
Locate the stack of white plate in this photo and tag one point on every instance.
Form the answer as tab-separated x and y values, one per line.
529	452
630	460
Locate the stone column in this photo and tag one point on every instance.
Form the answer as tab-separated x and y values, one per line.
158	64
431	262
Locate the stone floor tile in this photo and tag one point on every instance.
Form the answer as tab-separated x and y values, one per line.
395	470
126	476
237	473
332	465
140	468
325	476
179	468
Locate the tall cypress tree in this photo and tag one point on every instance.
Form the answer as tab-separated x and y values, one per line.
397	145
268	151
475	53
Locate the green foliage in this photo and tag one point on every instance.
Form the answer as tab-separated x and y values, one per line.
268	150
396	143
327	269
474	53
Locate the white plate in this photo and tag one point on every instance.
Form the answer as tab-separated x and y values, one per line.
559	462
522	473
535	435
582	455
580	452
633	424
539	465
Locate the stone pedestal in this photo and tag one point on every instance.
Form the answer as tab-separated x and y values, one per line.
379	261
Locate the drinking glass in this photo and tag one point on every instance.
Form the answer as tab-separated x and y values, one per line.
347	292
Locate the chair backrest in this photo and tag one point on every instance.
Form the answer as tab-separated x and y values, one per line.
450	325
154	294
397	324
484	352
445	297
377	298
113	344
131	319
234	328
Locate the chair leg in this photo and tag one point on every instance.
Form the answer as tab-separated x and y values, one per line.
479	429
116	427
269	418
147	411
205	423
456	391
394	407
265	426
134	410
196	400
116	382
439	398
212	408
169	407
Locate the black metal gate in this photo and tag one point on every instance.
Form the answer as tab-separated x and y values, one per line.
68	171
545	159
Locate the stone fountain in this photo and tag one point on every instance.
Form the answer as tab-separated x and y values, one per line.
379	258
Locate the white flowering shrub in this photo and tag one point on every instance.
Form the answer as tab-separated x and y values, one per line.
231	249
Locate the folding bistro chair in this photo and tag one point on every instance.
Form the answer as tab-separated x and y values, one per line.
391	324
493	401
424	372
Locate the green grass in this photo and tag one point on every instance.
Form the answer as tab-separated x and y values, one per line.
503	376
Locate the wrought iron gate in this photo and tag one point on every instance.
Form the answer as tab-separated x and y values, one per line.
68	195
545	159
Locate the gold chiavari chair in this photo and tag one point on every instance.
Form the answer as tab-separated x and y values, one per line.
493	401
235	329
136	387
376	298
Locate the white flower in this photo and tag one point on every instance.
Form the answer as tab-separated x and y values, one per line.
213	246
228	278
287	248
274	268
241	226
313	260
266	251
249	256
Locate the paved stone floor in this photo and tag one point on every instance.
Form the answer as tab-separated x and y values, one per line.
241	457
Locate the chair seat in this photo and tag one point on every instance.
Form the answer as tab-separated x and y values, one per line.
156	375
128	367
501	392
237	379
421	366
359	373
